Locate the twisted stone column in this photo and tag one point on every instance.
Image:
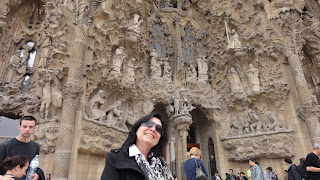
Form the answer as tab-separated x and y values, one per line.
299	79
72	94
310	113
182	124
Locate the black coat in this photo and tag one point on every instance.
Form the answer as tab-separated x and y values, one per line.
292	173
119	166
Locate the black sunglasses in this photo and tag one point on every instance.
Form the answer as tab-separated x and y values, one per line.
150	124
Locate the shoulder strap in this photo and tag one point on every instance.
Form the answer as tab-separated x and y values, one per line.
197	163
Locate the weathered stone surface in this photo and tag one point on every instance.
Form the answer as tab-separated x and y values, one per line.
241	73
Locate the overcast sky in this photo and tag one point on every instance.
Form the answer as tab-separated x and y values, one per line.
8	127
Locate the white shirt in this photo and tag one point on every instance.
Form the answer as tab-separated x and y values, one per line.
133	151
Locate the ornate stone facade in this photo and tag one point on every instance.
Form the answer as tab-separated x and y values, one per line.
243	74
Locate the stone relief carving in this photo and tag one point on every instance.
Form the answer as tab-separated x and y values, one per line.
202	68
94	106
51	95
271	146
100	139
133	31
155	66
253	75
236	85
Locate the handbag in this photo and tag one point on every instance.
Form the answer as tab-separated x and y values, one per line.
199	173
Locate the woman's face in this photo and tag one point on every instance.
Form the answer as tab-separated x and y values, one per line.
251	163
21	171
149	136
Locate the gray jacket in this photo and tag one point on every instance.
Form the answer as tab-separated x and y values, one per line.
256	173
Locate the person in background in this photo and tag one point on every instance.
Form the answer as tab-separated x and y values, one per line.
190	165
249	173
256	173
292	170
313	163
230	175
23	145
267	174
302	169
141	155
48	176
217	176
15	166
243	176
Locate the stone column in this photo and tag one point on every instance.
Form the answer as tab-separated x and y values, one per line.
72	94
310	112
182	124
299	79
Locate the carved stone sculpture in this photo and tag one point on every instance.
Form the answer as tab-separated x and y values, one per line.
275	122
256	123
118	59
133	31
253	75
236	127
129	71
236	85
51	95
15	66
155	66
95	111
235	42
114	113
45	53
202	68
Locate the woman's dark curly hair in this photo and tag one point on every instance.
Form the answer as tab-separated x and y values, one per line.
158	149
11	162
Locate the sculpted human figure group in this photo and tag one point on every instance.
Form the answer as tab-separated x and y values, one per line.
253	124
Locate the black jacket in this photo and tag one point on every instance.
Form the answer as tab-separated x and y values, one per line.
292	173
119	166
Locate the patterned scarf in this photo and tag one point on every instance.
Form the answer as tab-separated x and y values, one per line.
159	172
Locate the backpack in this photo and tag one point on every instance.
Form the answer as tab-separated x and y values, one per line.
302	170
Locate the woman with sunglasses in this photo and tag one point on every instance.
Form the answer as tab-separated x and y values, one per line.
15	166
140	157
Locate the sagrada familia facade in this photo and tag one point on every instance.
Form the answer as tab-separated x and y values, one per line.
237	78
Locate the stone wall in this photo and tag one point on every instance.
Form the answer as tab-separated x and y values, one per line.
246	73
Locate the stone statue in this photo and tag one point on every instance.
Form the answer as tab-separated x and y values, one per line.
176	102
236	85
135	25
235	42
133	31
253	75
15	66
155	66
191	75
166	70
51	95
114	113
202	68
129	74
94	104
118	59
186	107
45	53
236	127
255	123
275	122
